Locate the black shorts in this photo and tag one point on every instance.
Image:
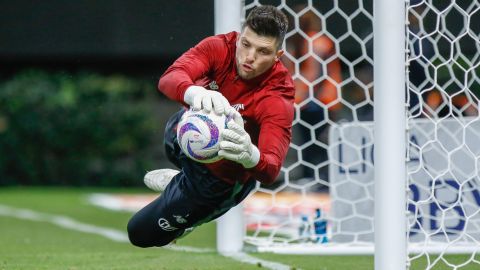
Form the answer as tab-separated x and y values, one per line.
193	197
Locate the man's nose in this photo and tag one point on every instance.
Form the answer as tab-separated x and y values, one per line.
250	56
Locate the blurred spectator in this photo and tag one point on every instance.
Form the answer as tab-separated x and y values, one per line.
439	104
318	77
434	103
325	65
421	50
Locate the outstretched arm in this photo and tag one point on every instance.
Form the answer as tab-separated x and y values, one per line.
178	82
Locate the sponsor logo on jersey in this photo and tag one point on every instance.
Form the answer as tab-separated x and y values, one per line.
165	225
238	107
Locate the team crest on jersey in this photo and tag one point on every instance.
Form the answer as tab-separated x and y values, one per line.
213	85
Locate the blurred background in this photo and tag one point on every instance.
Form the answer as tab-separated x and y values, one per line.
79	104
78	98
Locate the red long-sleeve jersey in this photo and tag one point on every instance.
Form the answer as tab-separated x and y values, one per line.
265	102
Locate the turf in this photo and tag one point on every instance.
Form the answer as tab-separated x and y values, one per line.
40	245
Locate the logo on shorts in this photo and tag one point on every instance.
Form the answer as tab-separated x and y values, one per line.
165	225
181	219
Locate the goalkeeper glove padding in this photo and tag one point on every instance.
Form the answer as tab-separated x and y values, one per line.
236	145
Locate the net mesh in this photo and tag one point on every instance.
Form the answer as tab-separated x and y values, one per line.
328	50
328	174
443	131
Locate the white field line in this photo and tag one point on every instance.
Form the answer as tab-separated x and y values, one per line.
71	224
119	236
64	222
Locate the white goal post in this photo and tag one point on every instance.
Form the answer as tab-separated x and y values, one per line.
420	203
390	134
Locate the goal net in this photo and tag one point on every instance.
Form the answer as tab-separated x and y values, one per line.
323	197
443	133
323	200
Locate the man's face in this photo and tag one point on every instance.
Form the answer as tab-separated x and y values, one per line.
255	54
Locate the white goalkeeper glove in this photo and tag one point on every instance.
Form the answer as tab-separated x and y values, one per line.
236	145
200	98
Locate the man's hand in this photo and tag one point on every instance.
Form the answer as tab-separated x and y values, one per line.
200	98
236	145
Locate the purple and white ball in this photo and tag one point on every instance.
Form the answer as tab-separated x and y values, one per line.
198	134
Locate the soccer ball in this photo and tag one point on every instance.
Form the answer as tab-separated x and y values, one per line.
198	135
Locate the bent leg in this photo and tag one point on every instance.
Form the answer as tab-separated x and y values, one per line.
184	204
145	229
167	217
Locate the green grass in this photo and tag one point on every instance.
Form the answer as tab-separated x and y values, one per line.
28	244
37	245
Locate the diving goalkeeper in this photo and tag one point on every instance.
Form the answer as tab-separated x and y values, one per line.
237	73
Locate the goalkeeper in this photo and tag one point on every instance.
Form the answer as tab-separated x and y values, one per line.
222	72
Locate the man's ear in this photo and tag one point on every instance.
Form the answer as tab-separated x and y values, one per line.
278	55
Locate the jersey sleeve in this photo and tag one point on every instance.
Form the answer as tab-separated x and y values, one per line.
192	66
274	136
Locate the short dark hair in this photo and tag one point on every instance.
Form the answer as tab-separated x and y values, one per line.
268	21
